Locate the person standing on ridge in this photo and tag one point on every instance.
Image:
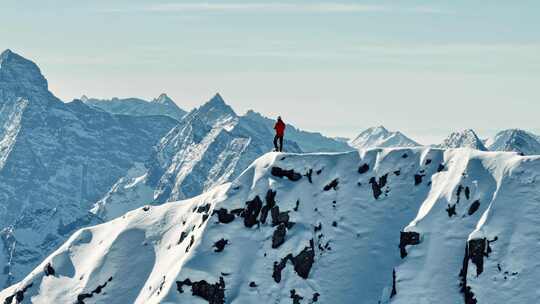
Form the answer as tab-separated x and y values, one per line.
280	132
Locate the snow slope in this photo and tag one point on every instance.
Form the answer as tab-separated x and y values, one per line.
378	226
56	160
162	105
380	137
515	140
463	139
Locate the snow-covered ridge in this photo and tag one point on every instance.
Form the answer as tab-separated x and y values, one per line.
414	225
380	137
515	140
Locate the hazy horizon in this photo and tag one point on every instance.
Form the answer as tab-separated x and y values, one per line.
332	67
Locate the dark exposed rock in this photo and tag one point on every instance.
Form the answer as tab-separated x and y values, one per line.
428	161
203	209
440	168
309	176
251	212
407	238
18	295
302	263
467	193
332	185
296	297
238	211
382	180
297	205
48	270
213	293
280	217
190	243
183	236
83	296
397	172
477	251
377	186
394	291
315	297
318	227
278	267
319	171
220	245
278	238
418	179
224	216
363	168
252	284
270	203
290	174
304	260
404	155
146	208
458	193
468	295
334	224
474	207
451	210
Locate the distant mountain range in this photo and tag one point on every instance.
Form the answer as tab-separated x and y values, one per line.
511	140
380	137
162	105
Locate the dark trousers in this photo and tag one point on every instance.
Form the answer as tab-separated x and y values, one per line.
279	139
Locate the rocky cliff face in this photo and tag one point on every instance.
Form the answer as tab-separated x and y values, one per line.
415	225
56	160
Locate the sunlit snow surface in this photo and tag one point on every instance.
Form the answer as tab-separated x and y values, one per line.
142	255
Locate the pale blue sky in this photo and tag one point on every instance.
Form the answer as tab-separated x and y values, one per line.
423	67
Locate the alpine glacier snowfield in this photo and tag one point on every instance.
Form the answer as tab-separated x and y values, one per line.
416	225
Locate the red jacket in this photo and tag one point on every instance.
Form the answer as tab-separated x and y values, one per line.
280	128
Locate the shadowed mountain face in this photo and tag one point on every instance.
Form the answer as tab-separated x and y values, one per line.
56	160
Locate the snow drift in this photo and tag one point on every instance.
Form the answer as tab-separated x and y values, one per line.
414	225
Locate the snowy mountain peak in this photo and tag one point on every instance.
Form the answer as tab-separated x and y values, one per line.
515	140
17	71
84	98
379	136
463	139
164	99
215	111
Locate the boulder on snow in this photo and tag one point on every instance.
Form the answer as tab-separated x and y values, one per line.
290	174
